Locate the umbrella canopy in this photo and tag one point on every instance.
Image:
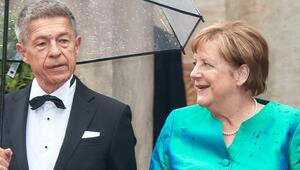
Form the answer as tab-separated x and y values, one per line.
107	28
182	16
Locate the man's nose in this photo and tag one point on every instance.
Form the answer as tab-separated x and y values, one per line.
55	49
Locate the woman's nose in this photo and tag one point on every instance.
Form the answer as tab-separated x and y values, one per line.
196	73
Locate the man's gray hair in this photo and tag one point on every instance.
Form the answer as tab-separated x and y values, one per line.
41	9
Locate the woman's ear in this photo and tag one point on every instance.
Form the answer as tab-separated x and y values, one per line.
241	74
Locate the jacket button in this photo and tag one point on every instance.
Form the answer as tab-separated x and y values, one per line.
225	162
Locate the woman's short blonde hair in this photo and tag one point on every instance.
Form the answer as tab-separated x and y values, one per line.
239	44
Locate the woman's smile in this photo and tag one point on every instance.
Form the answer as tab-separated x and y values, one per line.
200	88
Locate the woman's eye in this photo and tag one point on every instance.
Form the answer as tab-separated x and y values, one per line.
208	65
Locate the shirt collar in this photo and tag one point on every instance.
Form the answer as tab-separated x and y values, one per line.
62	92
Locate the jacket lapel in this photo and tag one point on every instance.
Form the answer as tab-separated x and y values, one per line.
17	118
81	114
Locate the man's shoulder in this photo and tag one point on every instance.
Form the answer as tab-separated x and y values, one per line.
19	93
108	99
100	99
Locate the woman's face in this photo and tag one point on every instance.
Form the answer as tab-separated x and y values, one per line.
213	76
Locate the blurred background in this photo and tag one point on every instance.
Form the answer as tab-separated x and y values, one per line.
279	22
155	84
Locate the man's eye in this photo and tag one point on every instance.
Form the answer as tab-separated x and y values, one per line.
63	41
41	44
194	62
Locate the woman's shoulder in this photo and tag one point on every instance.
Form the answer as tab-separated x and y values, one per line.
282	112
189	114
283	109
192	109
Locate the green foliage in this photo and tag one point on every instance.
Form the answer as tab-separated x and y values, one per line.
22	78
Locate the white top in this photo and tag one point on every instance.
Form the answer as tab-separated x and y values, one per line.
46	127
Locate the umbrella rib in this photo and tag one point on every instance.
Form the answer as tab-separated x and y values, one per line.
111	58
124	56
200	19
176	9
4	53
181	47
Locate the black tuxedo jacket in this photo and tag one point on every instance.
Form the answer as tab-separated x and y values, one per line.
91	111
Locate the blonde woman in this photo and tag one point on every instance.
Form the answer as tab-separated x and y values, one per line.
229	127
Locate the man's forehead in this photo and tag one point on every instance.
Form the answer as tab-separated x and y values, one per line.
56	19
51	26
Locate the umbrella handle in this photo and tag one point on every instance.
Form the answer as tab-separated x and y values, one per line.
4	54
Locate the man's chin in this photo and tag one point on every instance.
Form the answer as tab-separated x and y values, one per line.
59	80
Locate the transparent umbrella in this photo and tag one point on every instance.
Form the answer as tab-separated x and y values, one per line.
112	29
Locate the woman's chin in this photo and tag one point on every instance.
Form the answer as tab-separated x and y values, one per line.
201	100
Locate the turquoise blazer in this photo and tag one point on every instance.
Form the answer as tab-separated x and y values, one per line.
192	139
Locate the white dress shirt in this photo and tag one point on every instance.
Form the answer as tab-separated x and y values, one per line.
46	127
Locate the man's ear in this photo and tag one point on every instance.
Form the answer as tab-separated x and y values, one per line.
77	44
21	50
241	74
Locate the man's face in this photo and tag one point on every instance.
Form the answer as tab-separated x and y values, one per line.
51	50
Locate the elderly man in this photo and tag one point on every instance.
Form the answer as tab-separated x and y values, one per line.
56	122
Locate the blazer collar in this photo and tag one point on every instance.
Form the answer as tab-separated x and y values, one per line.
81	114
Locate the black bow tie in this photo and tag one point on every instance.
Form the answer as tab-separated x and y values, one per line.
40	100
